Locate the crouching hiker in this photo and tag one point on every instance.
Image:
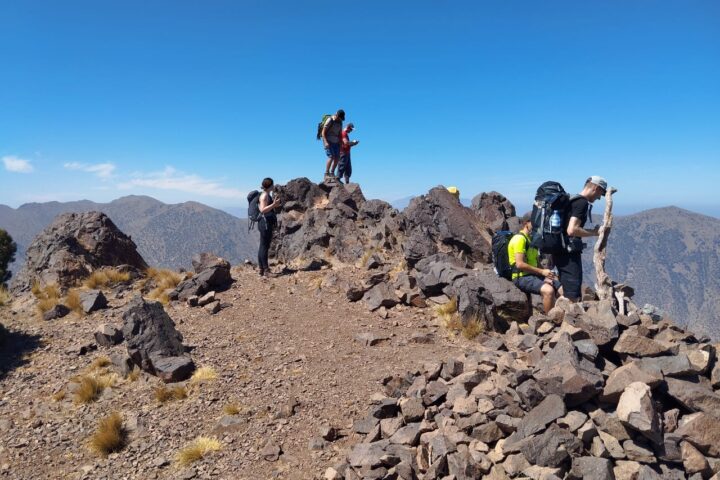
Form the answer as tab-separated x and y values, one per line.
527	276
262	211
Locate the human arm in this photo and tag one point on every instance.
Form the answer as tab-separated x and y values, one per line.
575	230
266	207
523	266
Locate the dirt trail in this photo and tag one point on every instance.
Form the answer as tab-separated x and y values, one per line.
282	340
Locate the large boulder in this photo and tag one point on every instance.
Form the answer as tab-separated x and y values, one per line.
153	343
494	209
437	222
72	247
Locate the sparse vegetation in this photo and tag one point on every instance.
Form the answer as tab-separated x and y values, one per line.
164	394
447	312
196	450
232	409
450	319
59	395
7	255
106	277
72	300
109	436
100	362
164	281
4	296
88	389
47	296
203	374
472	329
134	374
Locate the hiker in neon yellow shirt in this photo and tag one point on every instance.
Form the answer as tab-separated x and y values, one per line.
527	276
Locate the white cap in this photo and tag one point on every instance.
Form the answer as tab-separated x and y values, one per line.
599	181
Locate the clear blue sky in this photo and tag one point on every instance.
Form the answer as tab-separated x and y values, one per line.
200	100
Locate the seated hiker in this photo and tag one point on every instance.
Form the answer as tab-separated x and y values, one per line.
527	276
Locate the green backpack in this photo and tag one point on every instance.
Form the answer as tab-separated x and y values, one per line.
322	124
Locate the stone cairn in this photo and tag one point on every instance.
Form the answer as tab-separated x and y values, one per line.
582	393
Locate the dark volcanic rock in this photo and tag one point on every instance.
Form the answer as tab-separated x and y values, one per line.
494	209
153	343
92	300
107	335
438	222
551	448
58	311
72	247
213	274
381	295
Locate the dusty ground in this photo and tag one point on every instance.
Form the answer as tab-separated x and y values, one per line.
283	339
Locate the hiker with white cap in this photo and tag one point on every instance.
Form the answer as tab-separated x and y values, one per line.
569	262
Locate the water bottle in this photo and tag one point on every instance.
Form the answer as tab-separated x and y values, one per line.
555	221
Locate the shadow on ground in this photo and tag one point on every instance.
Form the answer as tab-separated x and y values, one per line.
14	346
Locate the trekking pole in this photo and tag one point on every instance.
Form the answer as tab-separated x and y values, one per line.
604	285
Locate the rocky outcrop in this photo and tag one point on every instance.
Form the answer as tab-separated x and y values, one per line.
496	211
438	223
153	343
72	247
575	395
319	224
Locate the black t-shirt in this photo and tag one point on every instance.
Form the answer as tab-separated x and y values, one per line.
579	208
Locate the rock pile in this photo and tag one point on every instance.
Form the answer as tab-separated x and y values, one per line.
72	247
582	393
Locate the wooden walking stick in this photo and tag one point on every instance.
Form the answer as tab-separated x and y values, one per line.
603	285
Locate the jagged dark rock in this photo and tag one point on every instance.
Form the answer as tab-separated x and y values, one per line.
72	247
495	210
212	274
153	343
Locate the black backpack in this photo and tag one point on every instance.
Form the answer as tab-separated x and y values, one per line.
253	199
549	218
500	242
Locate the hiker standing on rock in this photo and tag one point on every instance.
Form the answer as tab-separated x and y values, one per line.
345	167
331	132
266	224
526	274
569	262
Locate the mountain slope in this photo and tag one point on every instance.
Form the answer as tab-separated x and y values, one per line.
670	256
166	235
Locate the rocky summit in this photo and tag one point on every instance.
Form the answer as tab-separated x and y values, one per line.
385	348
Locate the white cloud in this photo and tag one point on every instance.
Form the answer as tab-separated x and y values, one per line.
171	179
17	165
101	170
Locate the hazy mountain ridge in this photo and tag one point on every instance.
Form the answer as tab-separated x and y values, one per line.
167	235
670	256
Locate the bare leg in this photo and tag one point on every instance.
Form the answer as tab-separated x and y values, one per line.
548	296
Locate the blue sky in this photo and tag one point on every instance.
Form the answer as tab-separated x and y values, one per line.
199	101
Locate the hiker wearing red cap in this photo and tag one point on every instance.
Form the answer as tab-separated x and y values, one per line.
345	167
569	262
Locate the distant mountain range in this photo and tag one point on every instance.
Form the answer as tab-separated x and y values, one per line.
671	257
167	235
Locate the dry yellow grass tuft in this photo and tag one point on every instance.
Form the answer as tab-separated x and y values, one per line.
88	389
196	450
48	296
203	374
72	300
165	280
109	436
4	296
232	409
134	374
59	395
100	362
472	329
164	394
106	277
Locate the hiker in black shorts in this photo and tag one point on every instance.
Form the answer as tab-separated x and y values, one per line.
569	263
266	224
